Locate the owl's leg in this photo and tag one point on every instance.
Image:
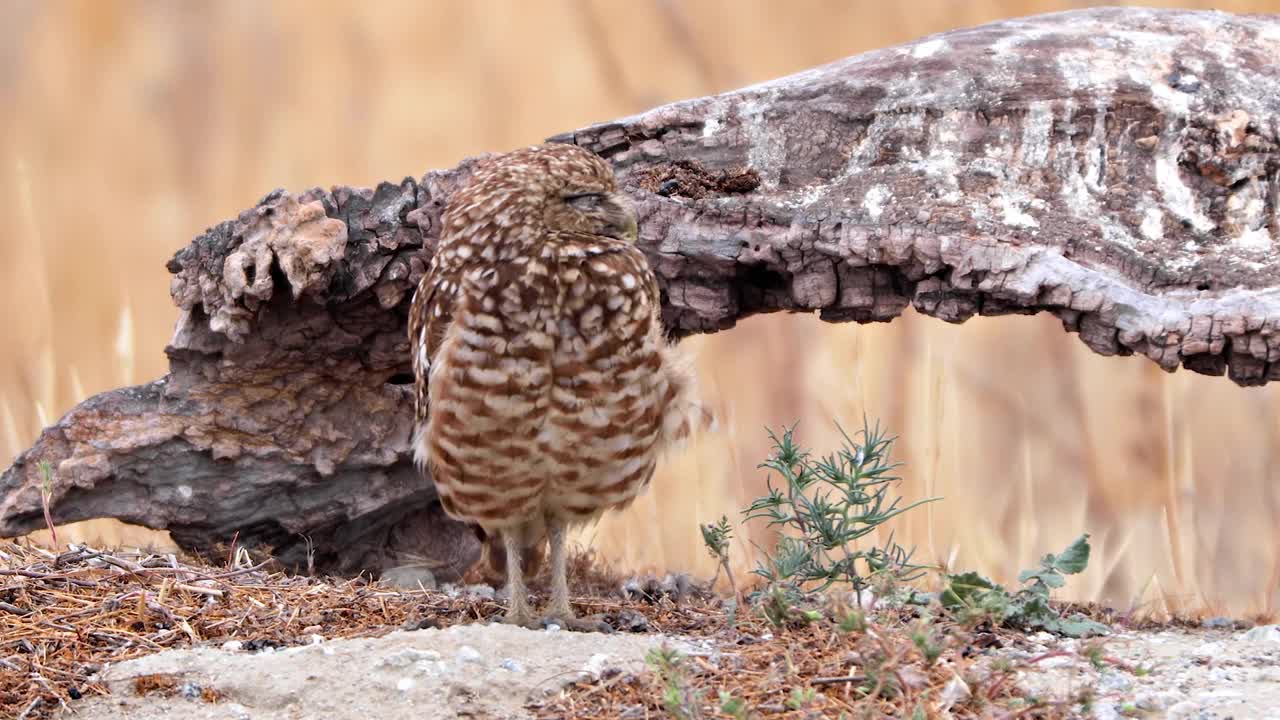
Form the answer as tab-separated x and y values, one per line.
518	612
560	611
557	533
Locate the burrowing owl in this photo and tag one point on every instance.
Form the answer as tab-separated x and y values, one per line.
545	389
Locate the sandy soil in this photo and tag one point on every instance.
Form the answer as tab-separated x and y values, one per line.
496	671
473	671
1179	674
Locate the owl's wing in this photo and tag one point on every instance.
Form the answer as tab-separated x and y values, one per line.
429	317
631	275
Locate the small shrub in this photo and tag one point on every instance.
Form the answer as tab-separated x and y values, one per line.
972	596
824	505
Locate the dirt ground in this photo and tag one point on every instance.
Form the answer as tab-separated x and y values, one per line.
473	671
497	671
90	634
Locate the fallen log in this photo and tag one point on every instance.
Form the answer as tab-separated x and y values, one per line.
1118	168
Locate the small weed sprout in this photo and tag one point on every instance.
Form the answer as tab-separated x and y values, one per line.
716	537
46	494
678	699
734	707
801	697
827	504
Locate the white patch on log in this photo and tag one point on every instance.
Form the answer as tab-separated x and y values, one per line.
1082	71
715	119
1080	198
869	147
1095	151
1036	132
1011	202
1178	198
873	201
928	48
766	150
1153	224
944	145
1168	98
1258	239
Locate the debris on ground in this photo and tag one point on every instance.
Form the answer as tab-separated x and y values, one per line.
89	631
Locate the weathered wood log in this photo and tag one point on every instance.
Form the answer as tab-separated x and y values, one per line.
1118	168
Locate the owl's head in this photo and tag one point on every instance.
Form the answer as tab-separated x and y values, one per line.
582	195
550	190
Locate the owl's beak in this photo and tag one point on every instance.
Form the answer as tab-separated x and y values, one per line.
620	218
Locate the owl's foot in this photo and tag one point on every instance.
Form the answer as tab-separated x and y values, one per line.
591	623
522	617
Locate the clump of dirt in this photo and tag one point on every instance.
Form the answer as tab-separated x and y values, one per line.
169	686
688	178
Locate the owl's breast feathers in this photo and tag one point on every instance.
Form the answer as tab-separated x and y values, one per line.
550	385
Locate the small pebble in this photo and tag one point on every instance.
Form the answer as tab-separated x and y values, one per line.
409	656
233	646
1106	711
1264	633
596	664
483	592
404	684
468	654
956	691
552	627
512	665
1156	701
1114	682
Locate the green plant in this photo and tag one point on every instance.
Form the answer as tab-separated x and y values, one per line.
716	538
926	643
970	596
734	707
678	699
46	493
825	505
801	697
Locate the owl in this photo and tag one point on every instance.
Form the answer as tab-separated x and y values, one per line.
545	390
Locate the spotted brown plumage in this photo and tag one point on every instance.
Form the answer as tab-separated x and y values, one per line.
544	388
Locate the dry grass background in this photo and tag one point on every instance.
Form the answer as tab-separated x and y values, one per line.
129	127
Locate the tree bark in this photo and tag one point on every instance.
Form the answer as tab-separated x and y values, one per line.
1118	168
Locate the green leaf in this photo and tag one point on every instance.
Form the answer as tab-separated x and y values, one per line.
964	590
1051	578
1075	558
1076	626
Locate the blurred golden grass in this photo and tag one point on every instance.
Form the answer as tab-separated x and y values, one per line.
134	125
